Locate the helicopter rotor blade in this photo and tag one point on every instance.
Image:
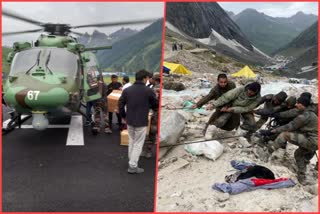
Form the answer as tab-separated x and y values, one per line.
15	15
76	33
110	24
21	32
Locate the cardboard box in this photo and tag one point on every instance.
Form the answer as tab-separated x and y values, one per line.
149	123
124	138
112	101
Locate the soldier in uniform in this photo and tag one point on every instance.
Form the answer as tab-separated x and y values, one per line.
301	131
291	113
272	103
151	139
224	85
100	110
239	101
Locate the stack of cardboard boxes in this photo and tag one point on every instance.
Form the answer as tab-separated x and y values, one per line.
124	133
113	100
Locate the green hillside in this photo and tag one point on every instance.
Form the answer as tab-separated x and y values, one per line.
302	43
140	51
268	33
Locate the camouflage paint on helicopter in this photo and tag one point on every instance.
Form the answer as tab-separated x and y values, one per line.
56	73
48	78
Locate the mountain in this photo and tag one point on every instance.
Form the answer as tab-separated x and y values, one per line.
100	39
96	39
305	49
230	14
123	33
300	21
140	51
208	23
301	43
269	33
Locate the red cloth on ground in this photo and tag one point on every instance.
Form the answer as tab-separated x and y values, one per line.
261	181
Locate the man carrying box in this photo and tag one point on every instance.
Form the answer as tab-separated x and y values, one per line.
139	99
114	85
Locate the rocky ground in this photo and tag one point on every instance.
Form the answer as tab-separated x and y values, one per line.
185	181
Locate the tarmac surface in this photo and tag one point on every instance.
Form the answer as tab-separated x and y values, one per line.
42	173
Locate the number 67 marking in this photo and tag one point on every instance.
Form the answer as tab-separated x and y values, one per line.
33	95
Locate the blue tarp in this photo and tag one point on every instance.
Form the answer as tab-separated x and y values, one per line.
248	184
166	70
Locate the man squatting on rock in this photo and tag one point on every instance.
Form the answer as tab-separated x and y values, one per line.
224	85
237	102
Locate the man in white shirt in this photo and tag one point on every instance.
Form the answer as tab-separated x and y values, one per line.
126	82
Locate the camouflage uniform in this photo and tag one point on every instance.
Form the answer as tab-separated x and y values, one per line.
100	112
238	100
286	114
214	94
292	113
282	116
303	132
269	108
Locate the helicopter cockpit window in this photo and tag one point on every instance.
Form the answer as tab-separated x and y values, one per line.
61	61
23	61
92	72
53	60
92	76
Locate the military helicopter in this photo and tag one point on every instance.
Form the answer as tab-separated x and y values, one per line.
53	75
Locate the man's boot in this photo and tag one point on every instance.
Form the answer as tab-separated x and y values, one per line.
303	179
211	132
135	170
107	130
261	153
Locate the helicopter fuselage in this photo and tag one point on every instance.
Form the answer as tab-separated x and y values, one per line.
51	78
48	85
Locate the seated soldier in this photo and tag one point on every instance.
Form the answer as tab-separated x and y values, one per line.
272	103
301	131
224	85
238	101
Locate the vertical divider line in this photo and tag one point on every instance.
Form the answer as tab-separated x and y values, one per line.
160	103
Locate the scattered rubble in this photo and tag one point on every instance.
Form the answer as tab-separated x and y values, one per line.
185	180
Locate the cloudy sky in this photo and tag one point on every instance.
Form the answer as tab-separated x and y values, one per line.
76	13
274	9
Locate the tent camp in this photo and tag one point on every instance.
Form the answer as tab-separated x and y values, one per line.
176	68
244	72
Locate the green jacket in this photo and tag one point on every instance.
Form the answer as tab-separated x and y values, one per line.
238	100
292	113
305	123
215	93
269	107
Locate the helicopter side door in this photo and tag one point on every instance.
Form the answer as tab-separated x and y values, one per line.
92	78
